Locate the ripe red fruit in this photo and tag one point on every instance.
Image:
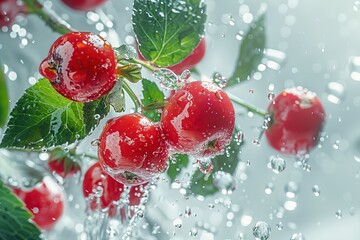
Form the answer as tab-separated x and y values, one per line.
84	5
45	201
198	119
81	66
297	119
62	163
96	177
189	62
9	9
132	149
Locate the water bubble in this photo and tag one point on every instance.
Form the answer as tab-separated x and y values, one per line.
193	232
316	190
168	79
261	230
239	137
271	96
273	58
224	182
240	35
336	145
338	214
185	75
335	92
291	189
297	236
277	164
245	220
220	80
290	205
177	223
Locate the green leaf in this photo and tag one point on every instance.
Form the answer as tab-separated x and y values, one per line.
44	118
131	72
14	218
202	184
179	162
151	94
116	97
4	100
125	52
168	30
93	112
251	52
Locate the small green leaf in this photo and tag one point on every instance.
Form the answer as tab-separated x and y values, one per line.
116	97
168	30
202	184
251	52
131	72
151	94
179	162
4	100
93	112
44	118
14	218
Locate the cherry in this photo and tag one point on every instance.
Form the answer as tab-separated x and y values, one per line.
63	164
297	119
189	62
84	5
45	201
81	66
132	149
9	9
95	178
198	119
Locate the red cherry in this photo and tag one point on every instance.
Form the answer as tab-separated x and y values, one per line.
45	202
63	165
9	9
84	5
132	149
297	119
96	177
198	119
189	62
81	66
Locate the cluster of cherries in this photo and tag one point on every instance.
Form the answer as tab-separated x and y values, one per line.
198	120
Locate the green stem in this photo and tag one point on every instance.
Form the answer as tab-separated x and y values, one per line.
52	20
145	64
247	105
132	95
89	156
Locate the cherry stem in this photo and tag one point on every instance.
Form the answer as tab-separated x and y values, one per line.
145	64
56	23
247	105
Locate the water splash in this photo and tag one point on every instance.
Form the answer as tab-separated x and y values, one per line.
168	79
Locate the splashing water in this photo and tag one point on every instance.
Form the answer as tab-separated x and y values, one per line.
224	182
220	80
168	79
205	165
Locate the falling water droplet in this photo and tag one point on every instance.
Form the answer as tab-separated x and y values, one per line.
291	189
280	226
95	142
177	223
220	80
168	79
193	232
274	58
261	230
336	145
271	96
335	92
338	214
277	164
187	211
355	68
269	188
239	137
316	190
224	182
297	236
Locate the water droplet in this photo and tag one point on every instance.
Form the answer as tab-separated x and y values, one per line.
256	142
97	116
239	137
269	188
220	80
355	68
338	214
261	230
205	165
240	236
224	182
335	92
280	226
316	190
291	189
95	142
273	58
187	211
193	232
277	164
211	205
168	79
239	36
297	236
185	75
177	223
271	96
336	145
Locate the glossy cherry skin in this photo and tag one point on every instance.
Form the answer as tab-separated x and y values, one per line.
96	177
84	5
45	201
132	149
58	166
81	66
189	62
297	120
198	119
9	9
